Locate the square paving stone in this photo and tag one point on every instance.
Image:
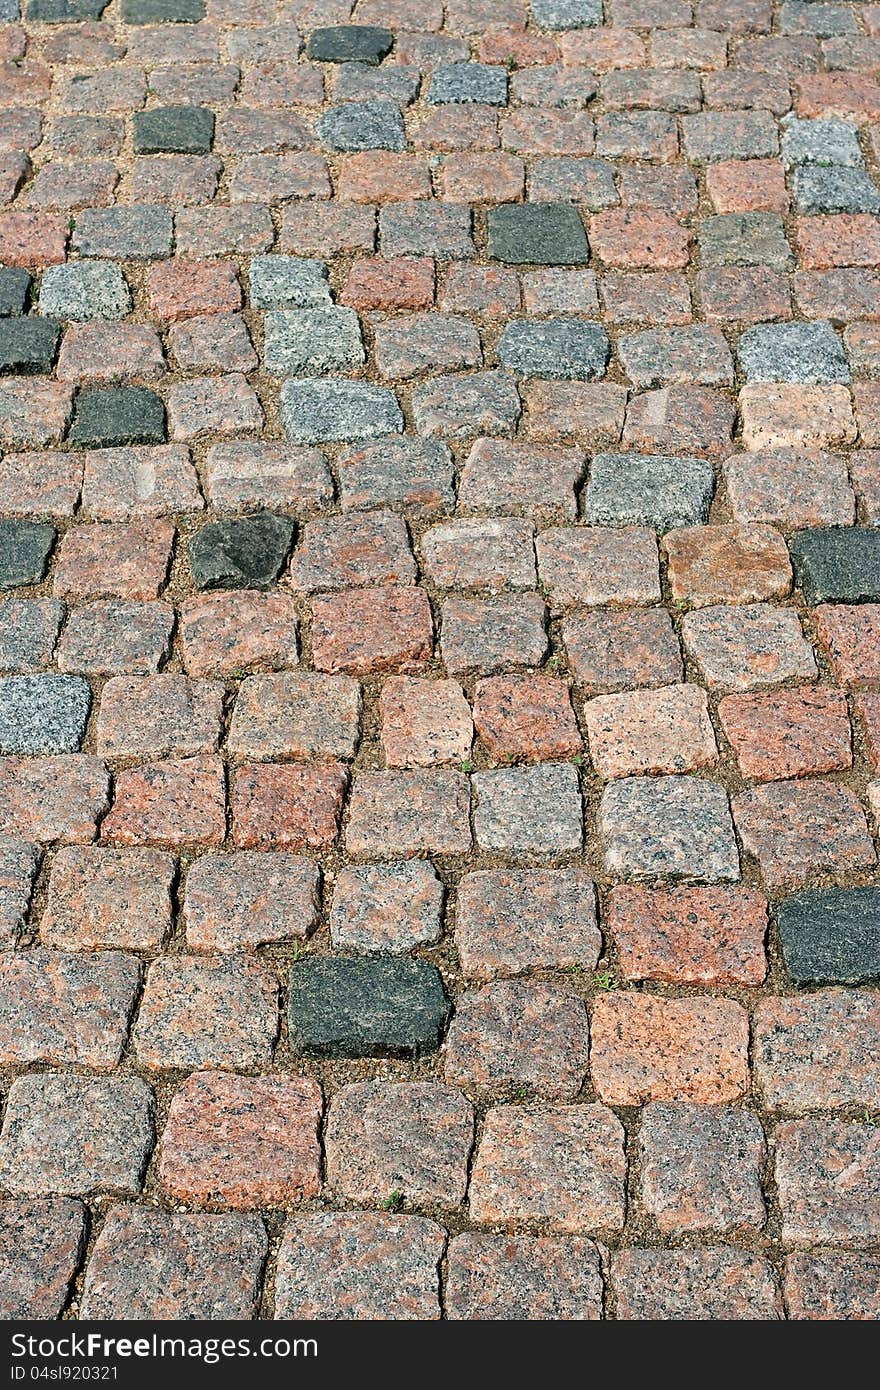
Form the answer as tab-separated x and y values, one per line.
644	1047
85	290
561	1165
312	342
648	490
350	43
463	405
823	191
362	125
248	552
832	1286
828	1179
453	83
43	714
149	1264
346	1266
746	646
745	238
64	11
174	130
349	412
701	1167
159	12
513	1033
76	1135
365	1008
838	564
690	354
60	1008
668	827
411	812
42	1243
28	344
294	715
386	907
181	993
288	282
797	830
558	349
117	415
512	1278
808	353
537	234
138	233
415	474
243	1142
25	547
15	287
529	810
108	898
414	1138
246	899
567	14
688	935
831	935
818	1051
713	1283
828	141
513	921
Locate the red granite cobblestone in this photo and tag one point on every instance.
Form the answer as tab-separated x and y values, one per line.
459	701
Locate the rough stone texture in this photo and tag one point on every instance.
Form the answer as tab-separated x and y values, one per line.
832	1286
81	1002
245	899
818	1051
722	1283
701	1167
171	1266
198	1012
562	1166
242	1141
529	810
43	1241
826	1175
691	835
518	1034
831	936
837	565
666	730
689	935
43	714
359	1265
76	1135
787	734
414	1139
247	553
386	907
537	234
511	922
740	564
108	898
296	715
798	830
749	647
439	473
659	491
359	1008
350	412
646	1048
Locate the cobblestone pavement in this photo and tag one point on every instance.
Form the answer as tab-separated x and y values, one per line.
440	647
